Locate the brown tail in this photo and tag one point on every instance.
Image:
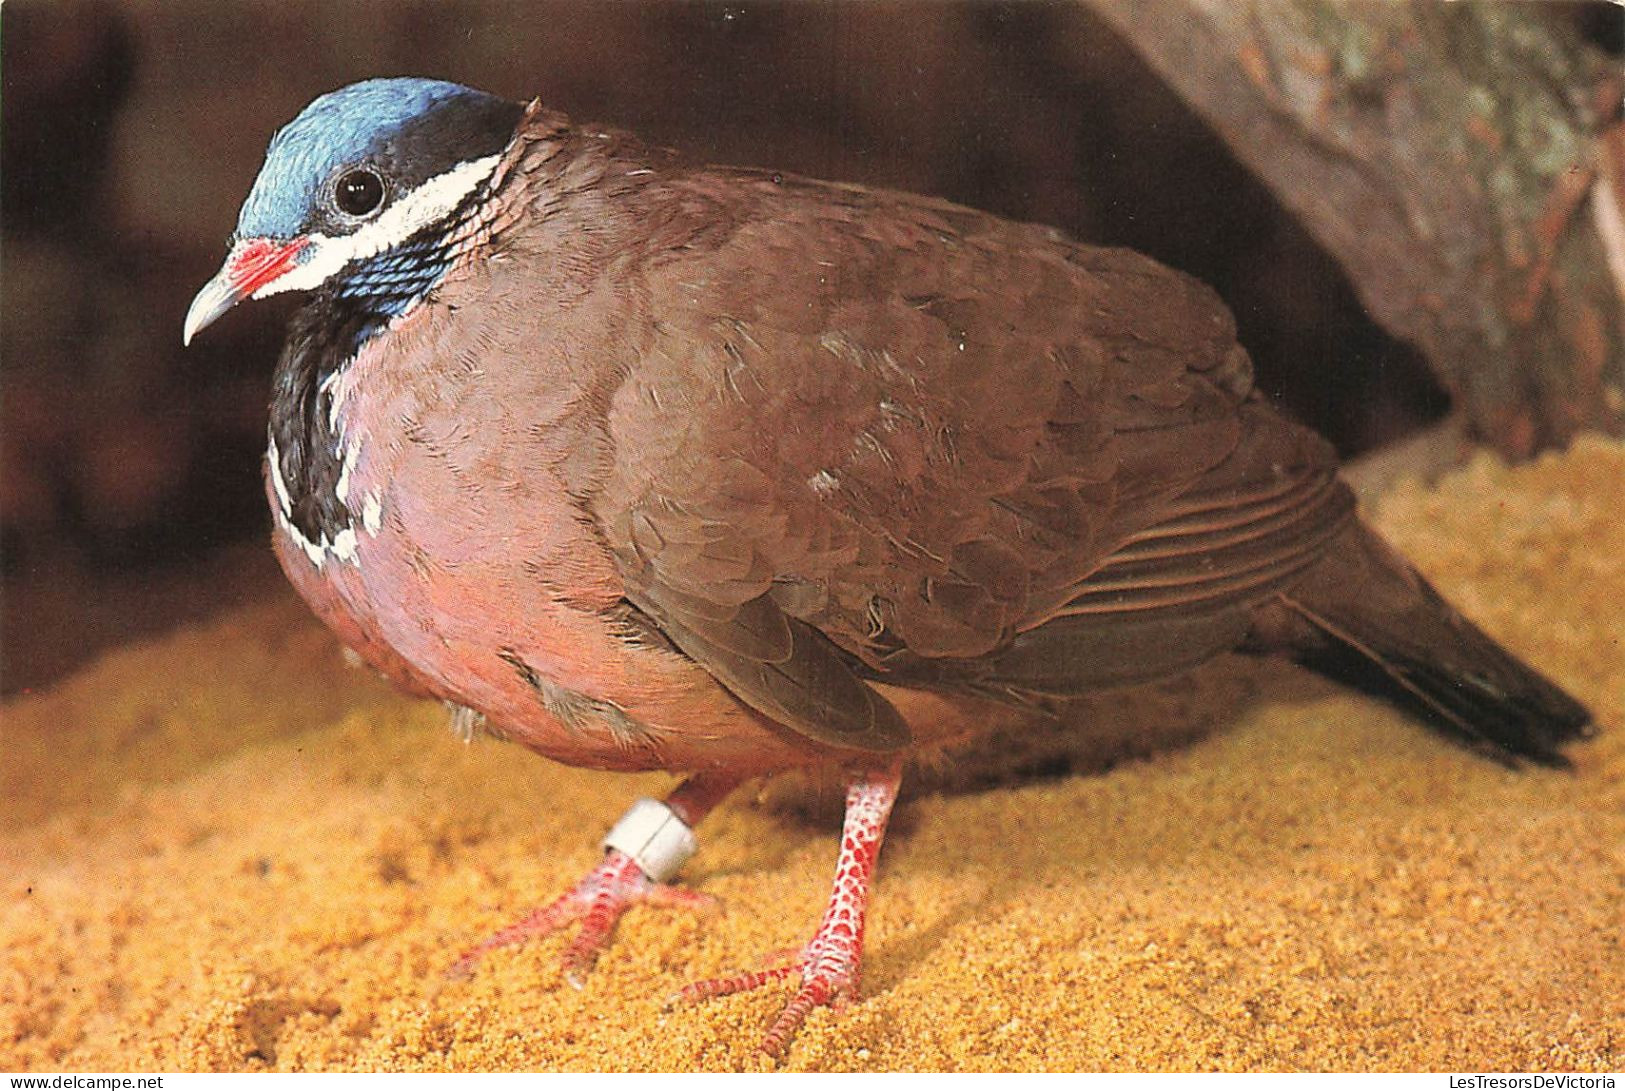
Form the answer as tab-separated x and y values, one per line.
1363	616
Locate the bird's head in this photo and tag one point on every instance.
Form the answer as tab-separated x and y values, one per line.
357	175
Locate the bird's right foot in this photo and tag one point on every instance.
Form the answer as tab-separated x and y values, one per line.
827	966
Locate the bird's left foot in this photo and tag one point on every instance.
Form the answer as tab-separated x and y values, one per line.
597	902
829	964
646	847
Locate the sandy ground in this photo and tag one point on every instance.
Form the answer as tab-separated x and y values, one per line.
224	850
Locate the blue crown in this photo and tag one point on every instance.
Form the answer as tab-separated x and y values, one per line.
350	125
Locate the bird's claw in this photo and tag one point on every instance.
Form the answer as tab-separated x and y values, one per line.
829	977
597	902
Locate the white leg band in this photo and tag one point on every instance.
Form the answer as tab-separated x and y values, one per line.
654	837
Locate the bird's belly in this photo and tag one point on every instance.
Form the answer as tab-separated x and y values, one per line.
553	676
474	624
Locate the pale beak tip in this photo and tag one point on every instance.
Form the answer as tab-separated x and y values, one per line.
216	298
255	267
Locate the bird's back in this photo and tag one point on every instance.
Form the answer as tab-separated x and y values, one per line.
912	441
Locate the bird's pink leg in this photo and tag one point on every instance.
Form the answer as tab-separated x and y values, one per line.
613	887
829	963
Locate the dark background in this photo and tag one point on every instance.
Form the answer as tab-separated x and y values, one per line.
129	470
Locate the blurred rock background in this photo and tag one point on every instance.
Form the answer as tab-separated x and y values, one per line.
129	470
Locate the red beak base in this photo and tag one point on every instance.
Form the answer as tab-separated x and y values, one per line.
251	265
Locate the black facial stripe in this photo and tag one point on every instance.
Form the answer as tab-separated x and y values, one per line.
321	341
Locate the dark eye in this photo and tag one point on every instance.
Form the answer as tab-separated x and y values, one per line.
359	193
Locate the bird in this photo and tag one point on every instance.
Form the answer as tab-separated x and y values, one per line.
647	464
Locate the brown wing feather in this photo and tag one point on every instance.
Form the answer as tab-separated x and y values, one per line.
1254	522
896	438
783	668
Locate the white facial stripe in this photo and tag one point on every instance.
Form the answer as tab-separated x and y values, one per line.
420	208
341	489
372	513
343	546
278	484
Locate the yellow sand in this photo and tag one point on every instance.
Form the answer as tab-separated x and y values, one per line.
225	850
